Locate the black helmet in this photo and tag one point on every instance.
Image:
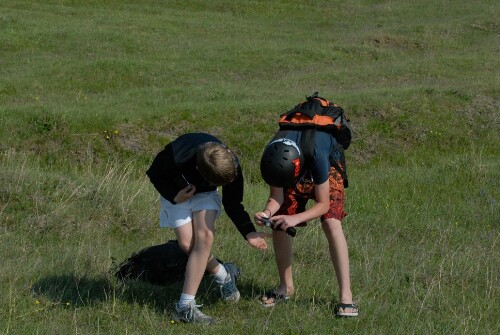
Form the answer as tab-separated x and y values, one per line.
281	162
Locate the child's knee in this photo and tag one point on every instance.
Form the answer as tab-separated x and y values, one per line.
332	226
186	246
204	237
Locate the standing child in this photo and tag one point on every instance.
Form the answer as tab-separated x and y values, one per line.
293	181
186	174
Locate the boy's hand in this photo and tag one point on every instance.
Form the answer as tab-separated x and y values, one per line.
185	194
257	239
286	221
258	218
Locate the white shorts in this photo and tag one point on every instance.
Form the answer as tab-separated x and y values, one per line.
174	216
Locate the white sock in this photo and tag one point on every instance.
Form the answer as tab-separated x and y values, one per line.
185	300
221	275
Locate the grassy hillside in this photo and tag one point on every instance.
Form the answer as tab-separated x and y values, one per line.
90	91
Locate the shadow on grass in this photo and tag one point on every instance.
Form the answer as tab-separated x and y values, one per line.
91	291
71	289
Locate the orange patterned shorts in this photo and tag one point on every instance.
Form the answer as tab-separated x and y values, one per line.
297	196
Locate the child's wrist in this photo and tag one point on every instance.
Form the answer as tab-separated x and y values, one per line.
267	210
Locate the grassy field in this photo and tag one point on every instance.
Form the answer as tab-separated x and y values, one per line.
90	91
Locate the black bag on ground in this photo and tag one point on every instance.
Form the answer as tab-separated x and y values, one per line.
159	264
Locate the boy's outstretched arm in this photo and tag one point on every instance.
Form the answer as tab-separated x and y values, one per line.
232	200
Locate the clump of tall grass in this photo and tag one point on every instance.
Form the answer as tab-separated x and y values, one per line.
41	200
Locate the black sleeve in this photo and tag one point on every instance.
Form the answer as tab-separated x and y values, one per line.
161	174
232	198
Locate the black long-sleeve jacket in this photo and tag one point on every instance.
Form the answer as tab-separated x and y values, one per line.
175	166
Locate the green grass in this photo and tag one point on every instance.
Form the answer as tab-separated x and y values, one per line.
90	91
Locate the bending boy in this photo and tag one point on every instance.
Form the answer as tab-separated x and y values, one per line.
186	174
292	183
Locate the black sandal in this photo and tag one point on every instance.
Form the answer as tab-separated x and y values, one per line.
340	310
276	298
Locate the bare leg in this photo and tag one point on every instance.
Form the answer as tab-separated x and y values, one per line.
203	229
339	255
185	238
283	254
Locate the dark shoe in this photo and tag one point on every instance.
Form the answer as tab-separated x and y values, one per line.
228	290
191	314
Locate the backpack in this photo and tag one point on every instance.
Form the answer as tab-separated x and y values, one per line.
319	114
159	264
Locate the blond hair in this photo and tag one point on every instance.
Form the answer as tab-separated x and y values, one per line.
216	163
